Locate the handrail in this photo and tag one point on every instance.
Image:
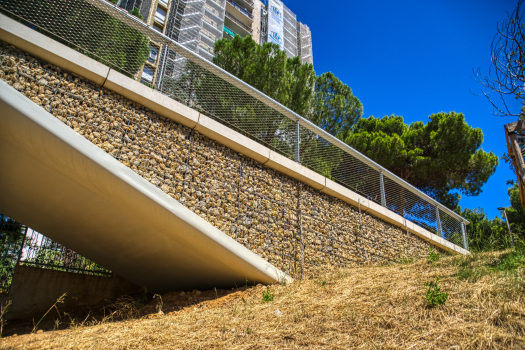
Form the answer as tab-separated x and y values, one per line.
238	7
140	26
238	22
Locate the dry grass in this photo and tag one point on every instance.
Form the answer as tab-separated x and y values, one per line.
380	307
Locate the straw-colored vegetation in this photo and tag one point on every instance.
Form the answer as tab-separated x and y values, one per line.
366	307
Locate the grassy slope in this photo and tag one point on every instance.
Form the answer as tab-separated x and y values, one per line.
366	308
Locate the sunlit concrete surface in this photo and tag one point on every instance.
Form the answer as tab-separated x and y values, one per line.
60	184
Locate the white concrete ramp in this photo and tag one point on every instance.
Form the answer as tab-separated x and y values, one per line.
60	184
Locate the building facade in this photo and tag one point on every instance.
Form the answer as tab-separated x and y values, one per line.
198	24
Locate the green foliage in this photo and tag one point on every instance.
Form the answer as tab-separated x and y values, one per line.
473	267
516	213
434	294
432	255
511	261
442	157
484	234
269	70
336	108
136	12
89	30
324	100
10	249
267	295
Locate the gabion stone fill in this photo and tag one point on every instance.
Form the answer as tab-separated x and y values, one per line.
288	223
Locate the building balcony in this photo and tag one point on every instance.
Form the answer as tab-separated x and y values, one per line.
236	25
248	4
230	34
242	14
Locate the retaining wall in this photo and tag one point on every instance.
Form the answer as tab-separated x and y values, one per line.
34	290
287	222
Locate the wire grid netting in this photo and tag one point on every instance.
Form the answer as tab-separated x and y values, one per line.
110	35
41	251
24	246
284	221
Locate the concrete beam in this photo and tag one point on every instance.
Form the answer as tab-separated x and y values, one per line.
232	139
64	186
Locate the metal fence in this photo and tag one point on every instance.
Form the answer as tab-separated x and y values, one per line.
24	246
109	34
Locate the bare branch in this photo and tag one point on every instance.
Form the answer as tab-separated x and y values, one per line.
507	74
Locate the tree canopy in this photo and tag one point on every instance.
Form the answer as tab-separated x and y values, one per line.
442	157
324	100
336	107
269	70
484	234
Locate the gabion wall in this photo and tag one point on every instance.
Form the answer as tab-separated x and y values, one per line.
290	224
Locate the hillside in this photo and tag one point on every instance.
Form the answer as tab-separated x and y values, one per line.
365	307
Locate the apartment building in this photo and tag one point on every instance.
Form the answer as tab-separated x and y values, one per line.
280	26
197	24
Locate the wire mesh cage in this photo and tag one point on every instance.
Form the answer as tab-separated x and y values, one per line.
109	34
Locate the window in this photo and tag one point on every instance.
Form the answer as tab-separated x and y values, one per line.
164	3
160	15
158	28
153	53
147	74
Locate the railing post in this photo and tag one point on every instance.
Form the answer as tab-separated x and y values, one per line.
464	233
382	188
438	223
297	142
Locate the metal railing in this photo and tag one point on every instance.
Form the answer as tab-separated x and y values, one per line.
238	7
20	245
202	85
238	22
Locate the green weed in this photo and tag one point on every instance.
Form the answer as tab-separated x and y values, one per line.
434	294
267	295
433	256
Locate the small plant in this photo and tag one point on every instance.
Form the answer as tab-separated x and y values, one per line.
136	12
267	295
434	294
59	300
249	330
3	310
510	261
433	256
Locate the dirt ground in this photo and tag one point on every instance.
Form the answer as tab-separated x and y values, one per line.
376	307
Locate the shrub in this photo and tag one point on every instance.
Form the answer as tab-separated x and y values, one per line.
267	295
434	294
136	12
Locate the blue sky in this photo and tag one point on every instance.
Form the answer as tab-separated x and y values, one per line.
415	58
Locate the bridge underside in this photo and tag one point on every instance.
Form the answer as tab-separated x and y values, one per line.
60	184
